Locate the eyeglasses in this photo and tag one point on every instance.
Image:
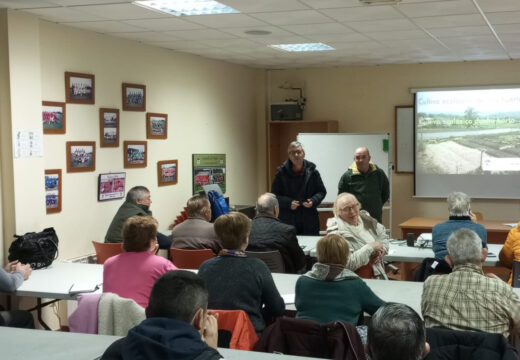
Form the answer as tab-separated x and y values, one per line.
296	152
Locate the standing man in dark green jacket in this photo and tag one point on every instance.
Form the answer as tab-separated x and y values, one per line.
367	182
138	201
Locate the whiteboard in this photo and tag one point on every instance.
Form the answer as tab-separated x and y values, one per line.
334	153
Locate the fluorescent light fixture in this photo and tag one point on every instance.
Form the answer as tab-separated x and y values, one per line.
187	7
303	47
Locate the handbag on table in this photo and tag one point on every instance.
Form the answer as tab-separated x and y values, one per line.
39	249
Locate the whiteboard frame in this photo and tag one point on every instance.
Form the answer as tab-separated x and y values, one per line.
404	124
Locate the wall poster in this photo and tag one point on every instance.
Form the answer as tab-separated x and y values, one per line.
209	169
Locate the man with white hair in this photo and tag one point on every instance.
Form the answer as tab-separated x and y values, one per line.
468	299
461	217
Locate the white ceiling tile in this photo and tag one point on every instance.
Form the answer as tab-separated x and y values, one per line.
473	42
63	14
145	36
461	31
163	24
326	38
434	22
253	6
226	20
510	17
203	34
179	44
233	43
499	5
398	35
105	26
382	25
25	4
272	40
510	37
363	13
438	8
317	29
507	29
87	2
331	4
293	17
122	12
274	31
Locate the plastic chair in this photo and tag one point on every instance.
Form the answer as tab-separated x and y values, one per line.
235	330
366	272
190	258
273	259
106	250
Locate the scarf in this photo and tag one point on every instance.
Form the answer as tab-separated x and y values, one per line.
330	272
229	252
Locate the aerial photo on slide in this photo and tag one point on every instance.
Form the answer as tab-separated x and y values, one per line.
463	132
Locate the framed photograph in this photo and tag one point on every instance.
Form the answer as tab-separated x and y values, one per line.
134	97
404	139
53	117
135	154
108	127
81	156
156	126
209	169
111	186
79	88
167	172
53	190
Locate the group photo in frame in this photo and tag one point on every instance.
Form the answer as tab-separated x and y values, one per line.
53	191
156	126
167	172
54	117
80	88
81	156
111	186
108	127
134	97
135	154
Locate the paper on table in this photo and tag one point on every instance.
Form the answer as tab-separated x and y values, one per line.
288	299
78	288
511	224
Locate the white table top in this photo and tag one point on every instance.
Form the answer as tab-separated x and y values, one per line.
55	345
400	252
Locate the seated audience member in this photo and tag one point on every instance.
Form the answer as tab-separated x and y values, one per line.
236	282
11	277
367	239
396	332
268	233
460	217
511	249
137	203
467	299
343	296
196	232
178	325
132	273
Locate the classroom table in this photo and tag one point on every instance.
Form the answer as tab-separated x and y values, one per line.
496	229
56	345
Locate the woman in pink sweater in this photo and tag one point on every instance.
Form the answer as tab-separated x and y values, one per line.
133	273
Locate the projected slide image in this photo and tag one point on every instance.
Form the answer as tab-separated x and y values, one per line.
468	132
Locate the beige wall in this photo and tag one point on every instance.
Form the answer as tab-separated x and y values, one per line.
362	99
211	107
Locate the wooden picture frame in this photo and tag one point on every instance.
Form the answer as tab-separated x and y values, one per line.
156	126
54	117
404	139
134	97
80	88
81	156
53	192
167	172
135	154
108	127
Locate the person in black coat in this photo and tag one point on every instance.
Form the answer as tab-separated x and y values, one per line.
299	189
268	233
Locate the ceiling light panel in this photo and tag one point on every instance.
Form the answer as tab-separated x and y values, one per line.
303	47
188	7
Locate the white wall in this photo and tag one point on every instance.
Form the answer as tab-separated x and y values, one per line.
211	108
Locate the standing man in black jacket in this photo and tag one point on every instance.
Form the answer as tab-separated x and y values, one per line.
299	189
268	233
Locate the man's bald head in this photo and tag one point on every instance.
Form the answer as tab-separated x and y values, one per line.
267	204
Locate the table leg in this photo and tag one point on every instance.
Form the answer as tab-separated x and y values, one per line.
38	308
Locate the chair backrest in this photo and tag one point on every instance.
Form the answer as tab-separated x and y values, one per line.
106	250
190	258
516	274
366	272
235	330
273	259
431	266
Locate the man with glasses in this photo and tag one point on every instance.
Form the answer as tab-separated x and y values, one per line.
299	190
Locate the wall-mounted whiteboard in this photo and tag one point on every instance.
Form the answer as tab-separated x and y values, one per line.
404	130
334	153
